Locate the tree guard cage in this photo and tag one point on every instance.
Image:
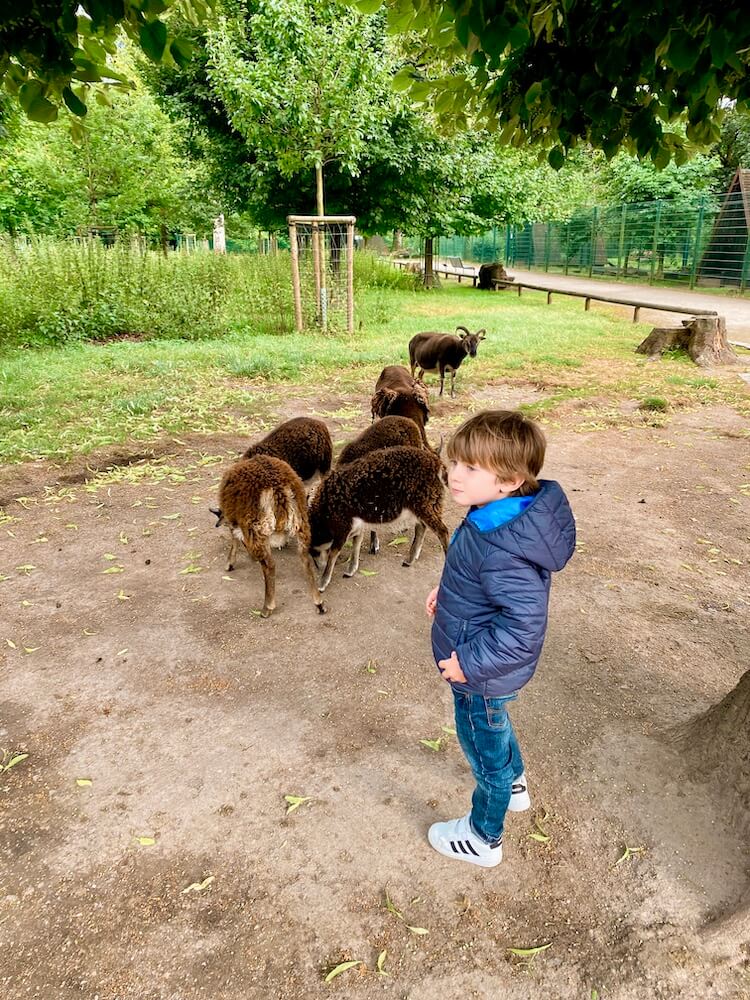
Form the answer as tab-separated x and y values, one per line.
323	271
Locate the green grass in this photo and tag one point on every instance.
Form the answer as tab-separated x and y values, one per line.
75	399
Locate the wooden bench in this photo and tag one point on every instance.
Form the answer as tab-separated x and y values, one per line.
456	267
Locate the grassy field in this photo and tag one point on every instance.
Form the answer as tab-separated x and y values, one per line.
72	400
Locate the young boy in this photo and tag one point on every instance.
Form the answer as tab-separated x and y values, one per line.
490	611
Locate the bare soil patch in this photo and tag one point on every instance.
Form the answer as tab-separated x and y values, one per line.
128	659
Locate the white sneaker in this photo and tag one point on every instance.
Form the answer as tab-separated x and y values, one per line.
455	839
519	795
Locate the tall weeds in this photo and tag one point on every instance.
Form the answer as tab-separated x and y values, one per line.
54	292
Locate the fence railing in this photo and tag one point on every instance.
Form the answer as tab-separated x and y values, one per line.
704	245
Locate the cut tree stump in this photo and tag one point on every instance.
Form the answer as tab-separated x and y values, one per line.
704	338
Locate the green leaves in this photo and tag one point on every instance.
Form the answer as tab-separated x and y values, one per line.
35	104
153	37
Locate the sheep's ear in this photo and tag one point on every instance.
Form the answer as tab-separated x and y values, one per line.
481	334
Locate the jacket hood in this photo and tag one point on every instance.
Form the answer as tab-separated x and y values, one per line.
540	529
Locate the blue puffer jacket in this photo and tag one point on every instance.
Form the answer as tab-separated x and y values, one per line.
494	592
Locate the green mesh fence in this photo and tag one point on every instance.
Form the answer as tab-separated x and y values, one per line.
702	245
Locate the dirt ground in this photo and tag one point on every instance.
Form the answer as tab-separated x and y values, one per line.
165	722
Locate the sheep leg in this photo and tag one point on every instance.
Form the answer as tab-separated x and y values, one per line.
333	554
374	543
434	522
309	570
416	545
232	551
453	381
442	380
269	576
353	566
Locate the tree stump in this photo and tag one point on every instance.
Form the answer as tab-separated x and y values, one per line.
703	337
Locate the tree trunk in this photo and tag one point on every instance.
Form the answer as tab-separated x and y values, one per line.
429	279
704	338
398	240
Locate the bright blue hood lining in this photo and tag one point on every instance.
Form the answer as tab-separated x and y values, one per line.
492	515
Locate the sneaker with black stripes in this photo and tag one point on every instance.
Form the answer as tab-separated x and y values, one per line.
519	795
456	839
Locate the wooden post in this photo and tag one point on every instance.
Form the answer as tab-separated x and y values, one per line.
547	236
636	313
549	297
586	305
316	267
350	277
295	277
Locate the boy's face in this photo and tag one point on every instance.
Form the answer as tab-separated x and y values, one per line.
473	486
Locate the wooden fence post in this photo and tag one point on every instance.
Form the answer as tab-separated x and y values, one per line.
350	277
295	277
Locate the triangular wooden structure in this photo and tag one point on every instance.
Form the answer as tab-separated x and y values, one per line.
726	258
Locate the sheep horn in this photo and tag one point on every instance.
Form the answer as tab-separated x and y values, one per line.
467	332
483	333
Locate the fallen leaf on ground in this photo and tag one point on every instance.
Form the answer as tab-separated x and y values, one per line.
84	782
295	801
528	952
432	744
341	968
198	886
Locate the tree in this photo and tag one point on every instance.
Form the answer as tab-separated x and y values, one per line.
121	167
561	72
51	51
302	82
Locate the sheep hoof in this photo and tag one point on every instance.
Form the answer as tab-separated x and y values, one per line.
406	563
230	567
374	549
266	612
349	573
322	609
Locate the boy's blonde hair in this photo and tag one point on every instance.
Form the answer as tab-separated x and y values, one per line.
504	442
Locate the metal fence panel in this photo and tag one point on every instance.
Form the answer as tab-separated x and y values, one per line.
702	245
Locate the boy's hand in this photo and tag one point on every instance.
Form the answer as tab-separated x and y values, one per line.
451	669
431	603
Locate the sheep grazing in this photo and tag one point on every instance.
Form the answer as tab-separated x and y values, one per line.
443	352
390	432
262	502
493	276
303	442
382	488
386	433
399	394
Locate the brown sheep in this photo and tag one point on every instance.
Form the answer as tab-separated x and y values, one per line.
397	393
303	442
377	489
386	433
442	352
263	504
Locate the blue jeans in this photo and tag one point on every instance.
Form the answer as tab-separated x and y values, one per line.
486	736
